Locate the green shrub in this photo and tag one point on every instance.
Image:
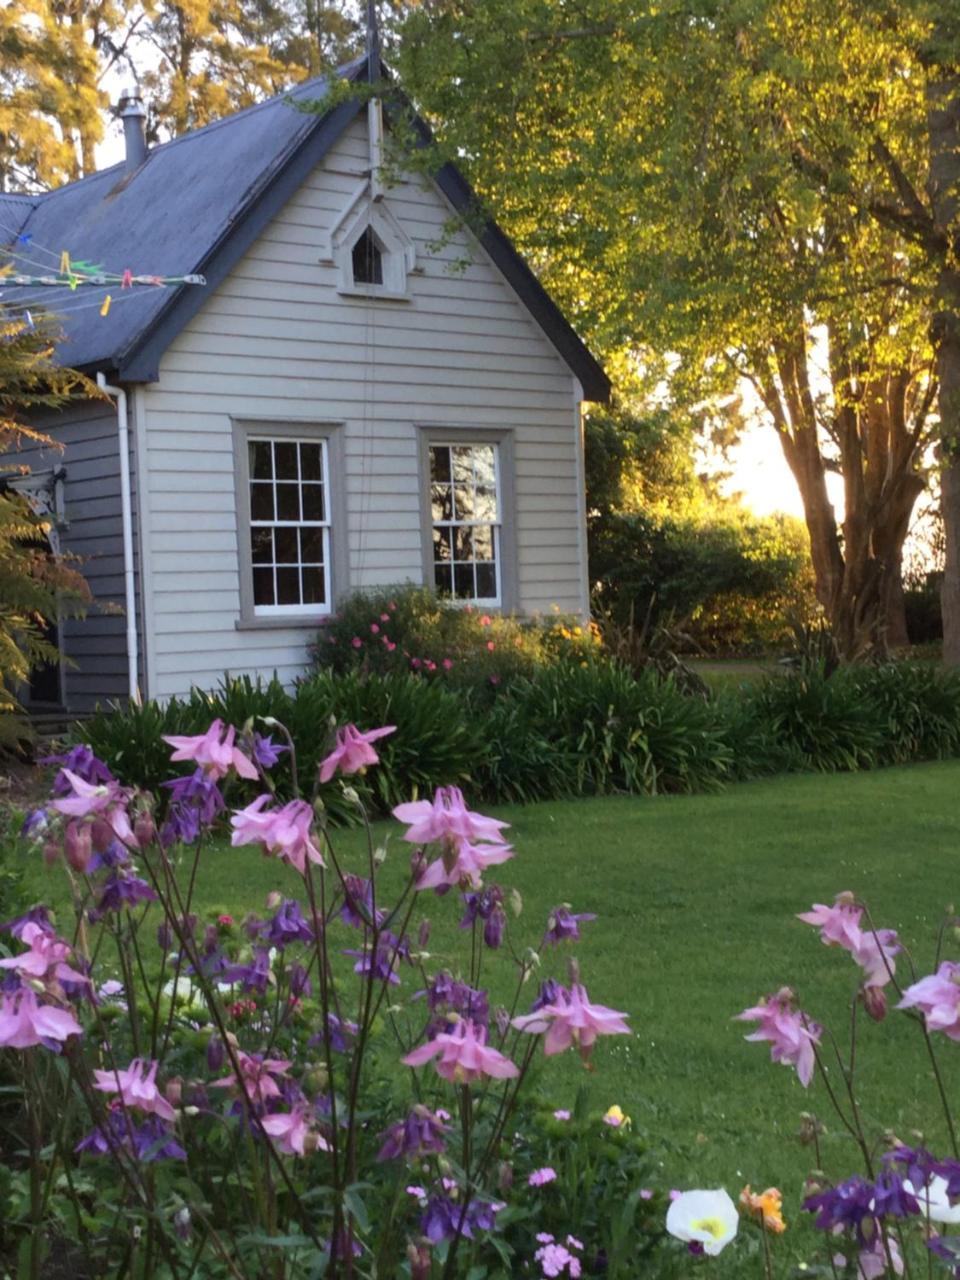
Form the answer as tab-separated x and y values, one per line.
917	706
409	630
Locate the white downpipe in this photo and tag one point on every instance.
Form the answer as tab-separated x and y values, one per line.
126	512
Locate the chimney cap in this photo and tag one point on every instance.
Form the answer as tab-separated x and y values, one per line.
131	104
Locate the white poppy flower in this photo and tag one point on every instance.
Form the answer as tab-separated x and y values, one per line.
709	1218
933	1201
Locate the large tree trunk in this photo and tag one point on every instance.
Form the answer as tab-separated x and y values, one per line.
943	123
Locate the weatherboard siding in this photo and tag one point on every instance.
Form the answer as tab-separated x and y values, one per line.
276	341
95	646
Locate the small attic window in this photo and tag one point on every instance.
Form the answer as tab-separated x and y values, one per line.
367	259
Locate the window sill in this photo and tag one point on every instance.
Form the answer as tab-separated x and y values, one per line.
281	624
374	294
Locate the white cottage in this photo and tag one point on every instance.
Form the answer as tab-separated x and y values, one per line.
341	405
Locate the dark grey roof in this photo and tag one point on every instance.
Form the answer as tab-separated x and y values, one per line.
193	207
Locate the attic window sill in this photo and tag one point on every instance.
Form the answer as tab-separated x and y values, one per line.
281	624
374	294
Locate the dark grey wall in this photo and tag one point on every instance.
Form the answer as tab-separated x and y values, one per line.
96	645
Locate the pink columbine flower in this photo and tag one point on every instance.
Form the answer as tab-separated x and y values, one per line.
291	1131
24	1022
938	999
839	925
447	817
573	1020
540	1177
284	832
214	752
257	1075
463	864
104	801
353	751
137	1087
46	957
792	1035
875	956
464	1056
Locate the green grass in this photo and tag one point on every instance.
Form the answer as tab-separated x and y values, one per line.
695	898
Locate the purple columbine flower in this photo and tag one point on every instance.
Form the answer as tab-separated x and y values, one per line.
338	1031
36	915
195	802
357	909
300	984
252	977
265	752
442	1217
890	1196
383	964
564	926
81	761
551	992
34	823
947	1248
446	996
152	1140
287	925
113	856
121	891
486	905
420	1134
847	1206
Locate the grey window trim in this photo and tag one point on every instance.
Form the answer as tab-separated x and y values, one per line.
289	428
503	438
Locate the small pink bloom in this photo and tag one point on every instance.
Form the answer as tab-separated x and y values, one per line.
540	1177
284	832
357	642
290	1131
791	1034
562	1114
258	1077
573	1020
463	864
839	925
45	959
447	817
874	955
24	1022
353	751
214	752
137	1087
374	629
106	804
646	1193
491	646
390	646
464	1056
447	664
938	999
485	620
415	663
384	617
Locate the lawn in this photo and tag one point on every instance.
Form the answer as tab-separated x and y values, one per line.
695	899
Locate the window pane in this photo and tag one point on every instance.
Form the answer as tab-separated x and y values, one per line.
367	259
441	544
311	546
484	465
261	465
486	581
287	546
288	502
482	542
288	586
261	502
440	464
463	463
463	502
463	581
441	577
263	586
261	546
311	463
285	458
441	501
485	504
313	502
463	544
314	591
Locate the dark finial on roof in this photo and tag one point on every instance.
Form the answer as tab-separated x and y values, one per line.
373	42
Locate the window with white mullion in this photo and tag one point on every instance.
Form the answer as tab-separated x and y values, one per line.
289	525
465	512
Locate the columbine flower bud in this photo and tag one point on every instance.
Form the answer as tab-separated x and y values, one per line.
181	1223
273	900
191	1111
316	1080
350	795
51	852
875	1002
504	1177
164	936
174	1091
380	855
215	1053
515	902
418	863
78	845
144	828
423	934
418	1255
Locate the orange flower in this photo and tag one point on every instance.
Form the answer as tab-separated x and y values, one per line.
767	1207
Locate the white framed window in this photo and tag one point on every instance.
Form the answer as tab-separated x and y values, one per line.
288	482
466	513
